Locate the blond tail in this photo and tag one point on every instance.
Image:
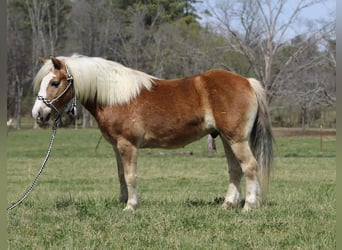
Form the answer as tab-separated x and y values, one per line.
261	137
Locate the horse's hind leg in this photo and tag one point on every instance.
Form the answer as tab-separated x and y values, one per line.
232	198
248	165
121	175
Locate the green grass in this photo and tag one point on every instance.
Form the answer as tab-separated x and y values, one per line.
75	203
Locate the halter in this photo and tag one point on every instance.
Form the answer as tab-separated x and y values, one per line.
49	103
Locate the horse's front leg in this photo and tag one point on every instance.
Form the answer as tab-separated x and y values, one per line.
128	153
121	175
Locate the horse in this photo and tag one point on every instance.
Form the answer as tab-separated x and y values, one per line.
136	110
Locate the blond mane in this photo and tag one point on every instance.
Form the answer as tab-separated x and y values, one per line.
109	82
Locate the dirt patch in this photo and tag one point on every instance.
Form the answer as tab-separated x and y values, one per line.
284	132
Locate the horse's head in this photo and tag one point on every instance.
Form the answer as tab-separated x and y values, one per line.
55	91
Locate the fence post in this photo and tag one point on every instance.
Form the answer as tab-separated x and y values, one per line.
321	139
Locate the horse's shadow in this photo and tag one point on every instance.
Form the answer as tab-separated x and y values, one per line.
65	202
218	201
202	203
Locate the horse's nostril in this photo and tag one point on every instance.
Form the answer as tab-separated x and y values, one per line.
42	119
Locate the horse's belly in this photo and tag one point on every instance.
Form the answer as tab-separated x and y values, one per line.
172	138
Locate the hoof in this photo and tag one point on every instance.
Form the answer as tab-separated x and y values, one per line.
229	205
250	206
131	207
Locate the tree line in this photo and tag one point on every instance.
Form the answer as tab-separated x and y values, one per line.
176	38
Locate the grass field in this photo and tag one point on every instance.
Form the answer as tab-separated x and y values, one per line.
75	203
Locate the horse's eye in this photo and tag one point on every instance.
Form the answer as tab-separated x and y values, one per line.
55	84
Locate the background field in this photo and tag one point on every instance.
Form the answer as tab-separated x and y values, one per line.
74	205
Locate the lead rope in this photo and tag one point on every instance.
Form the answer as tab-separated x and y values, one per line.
29	190
49	103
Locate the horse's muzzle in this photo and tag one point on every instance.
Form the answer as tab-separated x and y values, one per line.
42	115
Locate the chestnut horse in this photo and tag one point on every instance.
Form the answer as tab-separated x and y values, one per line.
135	110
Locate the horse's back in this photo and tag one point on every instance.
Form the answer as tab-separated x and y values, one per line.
225	80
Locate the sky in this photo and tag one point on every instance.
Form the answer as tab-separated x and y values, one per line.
321	10
317	11
325	9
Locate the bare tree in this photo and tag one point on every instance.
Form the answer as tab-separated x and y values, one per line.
259	29
35	30
46	19
328	82
91	33
311	76
15	68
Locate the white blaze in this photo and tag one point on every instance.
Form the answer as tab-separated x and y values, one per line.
39	105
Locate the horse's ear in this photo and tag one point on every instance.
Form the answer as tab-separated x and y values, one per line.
42	59
57	63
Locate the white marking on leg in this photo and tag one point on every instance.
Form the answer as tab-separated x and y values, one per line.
249	168
133	201
232	198
253	193
233	194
